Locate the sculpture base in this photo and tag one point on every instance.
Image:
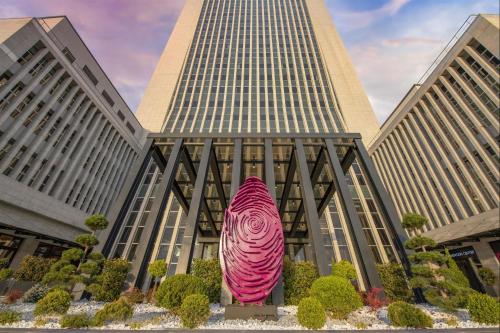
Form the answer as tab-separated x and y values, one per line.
245	312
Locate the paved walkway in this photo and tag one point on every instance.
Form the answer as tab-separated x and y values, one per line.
457	330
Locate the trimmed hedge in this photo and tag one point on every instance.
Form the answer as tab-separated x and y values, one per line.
174	289
33	268
297	279
402	314
109	283
194	311
344	269
311	313
211	273
5	273
9	317
337	295
394	282
483	308
80	320
119	310
55	302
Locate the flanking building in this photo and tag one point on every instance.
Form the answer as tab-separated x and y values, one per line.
67	138
255	88
438	153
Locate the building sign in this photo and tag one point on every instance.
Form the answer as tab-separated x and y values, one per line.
464	252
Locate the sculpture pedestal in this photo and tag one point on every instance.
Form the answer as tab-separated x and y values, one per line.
245	312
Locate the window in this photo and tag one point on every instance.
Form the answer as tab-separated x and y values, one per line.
130	128
8	246
21	106
120	115
27	167
107	98
30	53
5	150
67	53
14	160
4	78
33	115
90	75
9	97
38	172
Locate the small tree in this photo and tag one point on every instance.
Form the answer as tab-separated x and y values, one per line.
441	280
157	269
344	269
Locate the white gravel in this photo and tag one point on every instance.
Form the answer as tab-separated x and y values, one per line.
150	317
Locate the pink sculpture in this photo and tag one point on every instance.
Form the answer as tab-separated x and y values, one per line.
251	245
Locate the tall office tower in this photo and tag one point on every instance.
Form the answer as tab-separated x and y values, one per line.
438	152
67	138
255	88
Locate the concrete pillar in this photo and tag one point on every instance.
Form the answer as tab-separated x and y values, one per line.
488	259
27	248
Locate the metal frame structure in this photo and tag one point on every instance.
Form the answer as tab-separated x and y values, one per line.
329	146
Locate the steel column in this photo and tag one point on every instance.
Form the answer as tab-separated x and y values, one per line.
193	217
278	294
363	252
292	165
143	252
311	212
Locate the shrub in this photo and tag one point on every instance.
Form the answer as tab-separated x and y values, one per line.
413	221
134	295
35	293
56	301
194	310
96	222
12	296
402	314
311	313
9	317
175	288
109	283
4	263
487	276
72	254
375	300
344	269
210	272
337	295
483	308
5	273
33	268
97	257
87	240
75	321
297	278
119	310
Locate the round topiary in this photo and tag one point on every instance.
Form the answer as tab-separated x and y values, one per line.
297	279
209	270
96	222
337	295
194	311
35	293
9	317
75	321
55	302
344	269
119	310
402	314
483	308
175	288
6	273
311	313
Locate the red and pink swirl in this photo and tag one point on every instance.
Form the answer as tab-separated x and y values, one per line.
252	244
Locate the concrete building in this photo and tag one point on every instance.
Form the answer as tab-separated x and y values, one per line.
438	151
67	138
255	88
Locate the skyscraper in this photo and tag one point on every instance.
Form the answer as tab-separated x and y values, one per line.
255	88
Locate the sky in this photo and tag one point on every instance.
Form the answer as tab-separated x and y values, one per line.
391	42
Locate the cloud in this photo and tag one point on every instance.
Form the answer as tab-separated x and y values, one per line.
410	41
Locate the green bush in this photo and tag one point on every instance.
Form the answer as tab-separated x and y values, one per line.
344	269
109	284
35	293
194	311
413	221
394	282
5	273
174	289
210	272
134	295
9	317
4	263
56	301
119	310
87	240
33	268
402	314
311	313
483	308
487	276
297	279
75	321
337	295
96	222
73	254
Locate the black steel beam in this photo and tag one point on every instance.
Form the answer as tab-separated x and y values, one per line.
214	165
145	247
180	197
235	135
311	212
290	173
363	252
193	218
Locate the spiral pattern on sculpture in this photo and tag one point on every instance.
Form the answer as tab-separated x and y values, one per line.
252	244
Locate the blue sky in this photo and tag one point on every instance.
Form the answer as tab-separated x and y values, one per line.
391	42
